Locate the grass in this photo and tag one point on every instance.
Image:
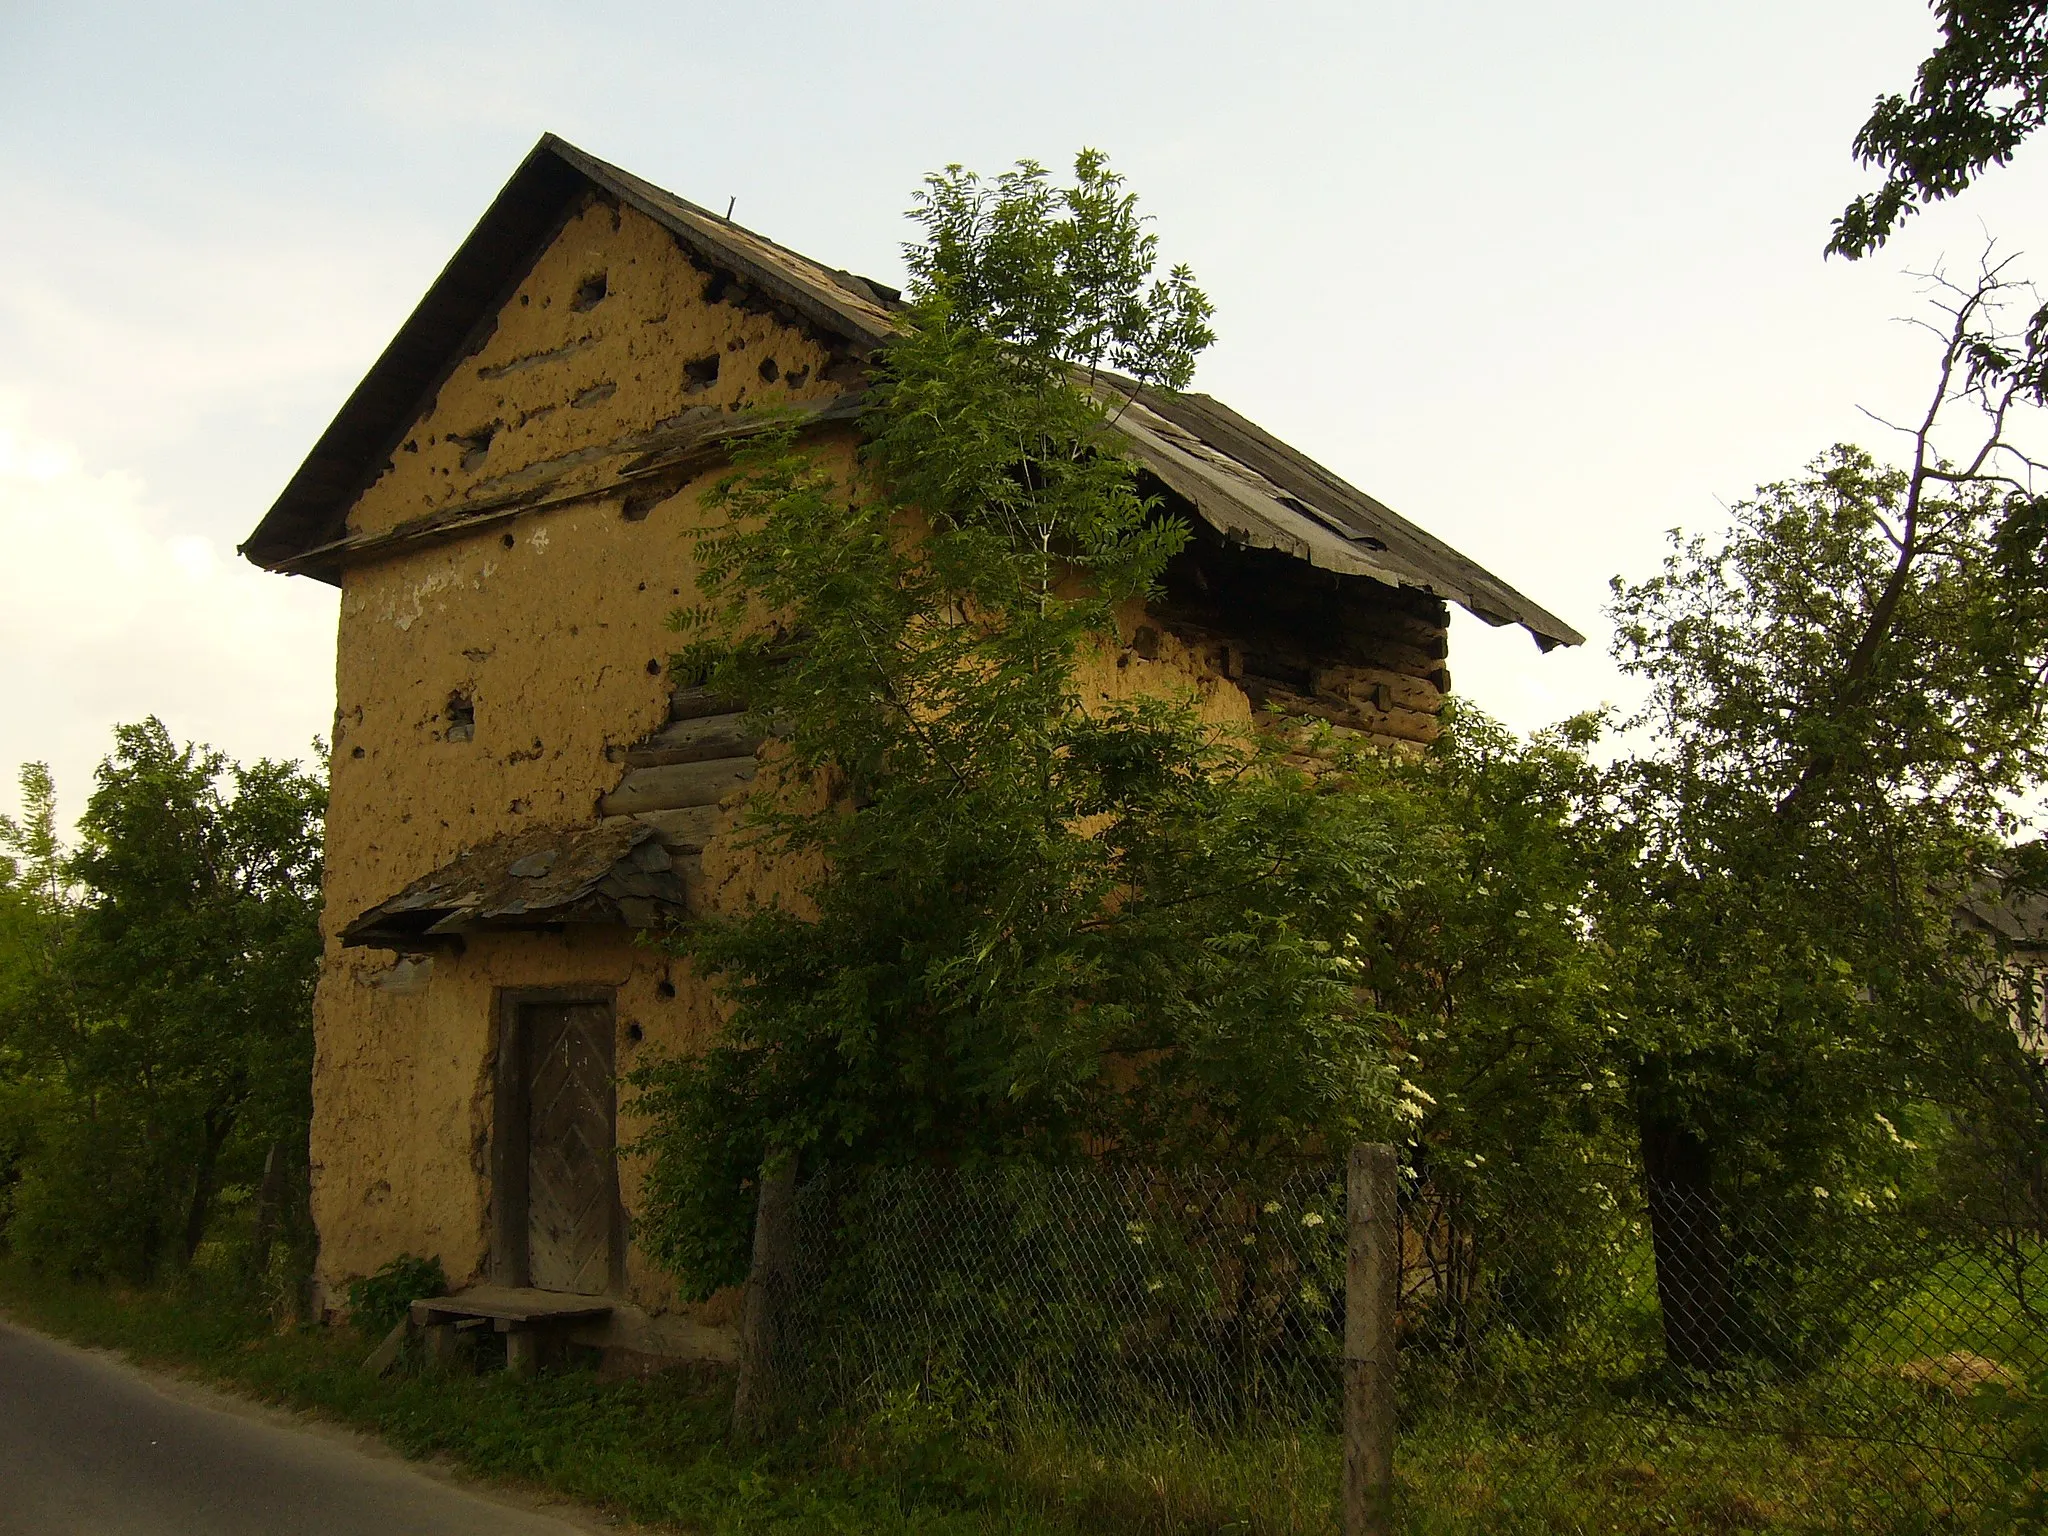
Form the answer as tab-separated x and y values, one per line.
1643	1475
1968	1303
656	1451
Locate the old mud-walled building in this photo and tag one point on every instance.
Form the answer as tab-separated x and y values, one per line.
506	503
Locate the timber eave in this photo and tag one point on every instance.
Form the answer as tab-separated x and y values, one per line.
658	465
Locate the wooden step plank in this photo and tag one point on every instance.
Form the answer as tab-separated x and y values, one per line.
695	703
385	1355
678	785
511	1304
694	741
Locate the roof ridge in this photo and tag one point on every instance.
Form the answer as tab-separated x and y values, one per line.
1262	492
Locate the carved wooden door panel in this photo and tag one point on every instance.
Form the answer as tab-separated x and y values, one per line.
569	1157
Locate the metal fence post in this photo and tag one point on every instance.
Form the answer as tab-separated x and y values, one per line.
1372	1283
768	1292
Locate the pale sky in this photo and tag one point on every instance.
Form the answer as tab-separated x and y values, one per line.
1544	277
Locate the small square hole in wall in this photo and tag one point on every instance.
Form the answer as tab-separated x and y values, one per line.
475	446
461	715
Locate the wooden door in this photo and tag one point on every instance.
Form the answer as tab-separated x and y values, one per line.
571	1175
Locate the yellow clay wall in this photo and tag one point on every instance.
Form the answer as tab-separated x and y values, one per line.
562	377
553	629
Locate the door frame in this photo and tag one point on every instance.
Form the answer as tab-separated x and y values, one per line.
509	1139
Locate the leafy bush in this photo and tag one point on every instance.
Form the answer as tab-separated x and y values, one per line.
378	1303
156	984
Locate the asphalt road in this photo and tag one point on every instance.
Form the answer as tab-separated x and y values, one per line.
90	1446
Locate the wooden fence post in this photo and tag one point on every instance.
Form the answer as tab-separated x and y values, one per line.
769	1284
1372	1290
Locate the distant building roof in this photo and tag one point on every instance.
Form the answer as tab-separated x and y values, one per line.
2014	914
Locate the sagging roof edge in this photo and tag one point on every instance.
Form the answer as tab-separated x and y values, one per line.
1347	531
1274	497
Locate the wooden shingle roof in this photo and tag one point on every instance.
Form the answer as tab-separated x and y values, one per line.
1249	485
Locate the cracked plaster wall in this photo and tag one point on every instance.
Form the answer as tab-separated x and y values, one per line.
550	635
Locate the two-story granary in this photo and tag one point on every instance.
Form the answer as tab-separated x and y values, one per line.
506	503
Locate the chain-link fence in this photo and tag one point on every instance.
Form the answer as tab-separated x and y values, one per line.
1097	1292
1592	1364
1693	1363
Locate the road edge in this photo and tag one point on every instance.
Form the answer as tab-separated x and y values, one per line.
222	1397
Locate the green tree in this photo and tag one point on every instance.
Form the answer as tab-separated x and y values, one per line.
36	908
1846	693
36	899
1027	926
1728	963
1501	1010
170	1050
1975	100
